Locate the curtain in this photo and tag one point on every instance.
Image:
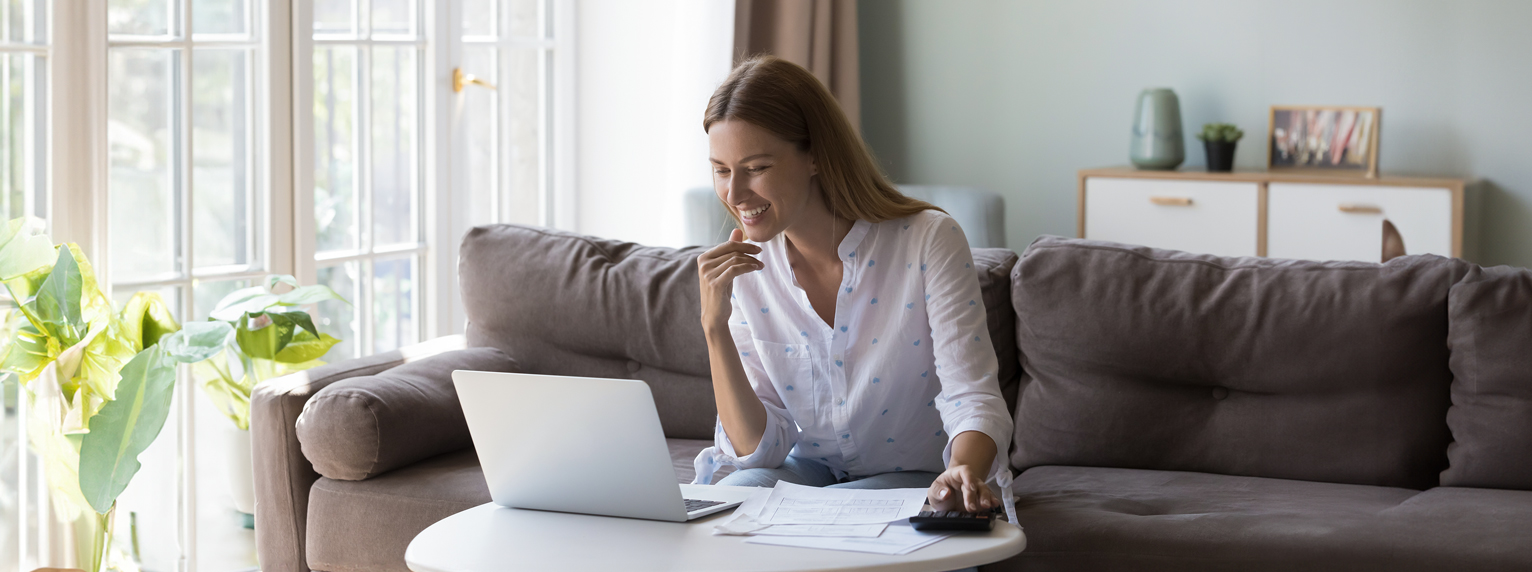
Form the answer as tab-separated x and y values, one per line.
817	34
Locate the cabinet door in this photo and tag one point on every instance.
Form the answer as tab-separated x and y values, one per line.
1345	222
1208	217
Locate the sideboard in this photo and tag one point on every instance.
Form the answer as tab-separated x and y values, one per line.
1275	214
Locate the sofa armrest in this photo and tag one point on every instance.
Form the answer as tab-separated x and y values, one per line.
365	426
283	475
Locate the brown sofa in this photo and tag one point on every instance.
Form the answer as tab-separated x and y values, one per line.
1174	411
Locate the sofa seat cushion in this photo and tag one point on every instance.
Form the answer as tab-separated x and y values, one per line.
366	525
1087	518
1489	314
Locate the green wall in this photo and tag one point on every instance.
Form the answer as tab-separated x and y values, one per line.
1016	96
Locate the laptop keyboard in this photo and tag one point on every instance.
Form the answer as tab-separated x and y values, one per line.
698	504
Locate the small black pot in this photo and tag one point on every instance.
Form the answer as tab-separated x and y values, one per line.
1220	155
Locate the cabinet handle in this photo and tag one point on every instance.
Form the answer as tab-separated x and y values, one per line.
1355	208
1171	201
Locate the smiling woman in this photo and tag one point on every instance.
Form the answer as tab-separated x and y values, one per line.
847	343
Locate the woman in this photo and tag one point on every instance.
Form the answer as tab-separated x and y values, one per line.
847	337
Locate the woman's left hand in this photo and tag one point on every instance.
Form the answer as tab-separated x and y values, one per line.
961	488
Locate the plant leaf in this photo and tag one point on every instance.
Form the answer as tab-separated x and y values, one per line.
272	280
309	295
125	427
21	251
198	341
146	319
256	303
57	302
306	347
264	341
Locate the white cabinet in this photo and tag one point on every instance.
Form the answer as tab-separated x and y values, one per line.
1345	222
1281	215
1195	216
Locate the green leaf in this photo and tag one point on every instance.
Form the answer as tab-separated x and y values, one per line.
243	302
309	295
125	427
57	302
306	346
198	341
146	319
263	334
272	280
21	251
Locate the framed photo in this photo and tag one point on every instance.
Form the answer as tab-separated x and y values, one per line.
1324	139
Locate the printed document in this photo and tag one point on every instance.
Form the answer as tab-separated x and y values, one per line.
796	504
899	538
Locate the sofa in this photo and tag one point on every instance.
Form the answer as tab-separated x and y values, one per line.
1173	411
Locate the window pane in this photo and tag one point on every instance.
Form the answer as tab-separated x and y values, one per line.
205	295
523	87
218	17
395	179
523	16
334	16
339	319
393	304
393	17
482	108
22	142
139	17
479	17
221	177
335	193
140	118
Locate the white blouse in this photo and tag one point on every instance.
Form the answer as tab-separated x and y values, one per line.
907	365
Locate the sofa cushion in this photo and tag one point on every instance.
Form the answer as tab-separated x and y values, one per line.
1156	359
565	304
1489	324
357	526
1086	518
368	425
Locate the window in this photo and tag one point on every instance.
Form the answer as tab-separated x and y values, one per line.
189	180
24	101
368	147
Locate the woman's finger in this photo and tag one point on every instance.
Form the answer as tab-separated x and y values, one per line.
734	270
971	497
726	247
711	263
723	265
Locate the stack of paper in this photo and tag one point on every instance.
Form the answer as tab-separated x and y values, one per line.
834	519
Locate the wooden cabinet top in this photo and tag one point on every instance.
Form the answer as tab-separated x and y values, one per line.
1263	176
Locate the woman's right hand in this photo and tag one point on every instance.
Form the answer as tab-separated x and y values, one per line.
716	270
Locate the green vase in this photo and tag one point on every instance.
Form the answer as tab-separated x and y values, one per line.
1157	142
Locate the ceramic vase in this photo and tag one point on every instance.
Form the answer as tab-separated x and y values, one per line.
241	470
1157	142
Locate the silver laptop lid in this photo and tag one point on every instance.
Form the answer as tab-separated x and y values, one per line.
570	444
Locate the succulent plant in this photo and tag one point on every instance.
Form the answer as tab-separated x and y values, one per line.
1220	132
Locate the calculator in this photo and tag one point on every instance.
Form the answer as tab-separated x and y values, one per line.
935	520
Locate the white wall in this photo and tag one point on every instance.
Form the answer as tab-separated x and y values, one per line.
646	70
1017	95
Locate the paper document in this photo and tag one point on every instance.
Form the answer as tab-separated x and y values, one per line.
898	538
796	504
843	530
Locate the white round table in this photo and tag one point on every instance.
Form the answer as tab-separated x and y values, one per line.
490	537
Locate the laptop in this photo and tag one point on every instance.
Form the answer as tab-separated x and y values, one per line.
579	445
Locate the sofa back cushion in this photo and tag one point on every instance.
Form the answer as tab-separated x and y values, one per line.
1489	325
565	304
1154	359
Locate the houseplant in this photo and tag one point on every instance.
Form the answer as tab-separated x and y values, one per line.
272	337
1219	140
98	383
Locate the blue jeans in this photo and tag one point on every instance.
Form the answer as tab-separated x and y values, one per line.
812	474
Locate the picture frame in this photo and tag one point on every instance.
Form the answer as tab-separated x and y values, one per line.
1328	139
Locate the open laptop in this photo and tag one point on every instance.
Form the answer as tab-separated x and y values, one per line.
578	444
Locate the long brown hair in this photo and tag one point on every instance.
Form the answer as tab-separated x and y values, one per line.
788	101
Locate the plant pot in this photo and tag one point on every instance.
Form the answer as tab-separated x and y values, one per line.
241	472
1220	155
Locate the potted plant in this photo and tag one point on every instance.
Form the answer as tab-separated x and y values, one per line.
1219	140
272	337
97	383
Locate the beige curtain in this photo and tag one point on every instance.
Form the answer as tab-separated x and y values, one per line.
817	34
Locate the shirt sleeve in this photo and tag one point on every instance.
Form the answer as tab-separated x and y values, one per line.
966	365
781	431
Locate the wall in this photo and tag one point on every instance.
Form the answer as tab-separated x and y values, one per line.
1016	96
646	70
